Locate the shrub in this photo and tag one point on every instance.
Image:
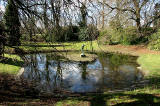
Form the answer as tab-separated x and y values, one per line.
35	37
104	37
70	33
129	35
88	33
83	35
54	35
67	33
146	32
123	36
92	32
154	40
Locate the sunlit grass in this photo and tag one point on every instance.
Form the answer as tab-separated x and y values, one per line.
72	103
11	65
9	69
150	63
89	46
12	56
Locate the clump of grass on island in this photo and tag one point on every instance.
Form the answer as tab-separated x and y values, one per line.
11	65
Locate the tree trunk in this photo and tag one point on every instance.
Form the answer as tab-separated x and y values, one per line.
138	16
103	15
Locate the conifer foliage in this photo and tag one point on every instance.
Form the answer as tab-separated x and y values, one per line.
12	23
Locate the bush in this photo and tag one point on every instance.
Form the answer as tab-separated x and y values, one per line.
54	35
104	37
154	40
83	34
123	36
146	32
70	33
67	33
88	33
129	35
35	37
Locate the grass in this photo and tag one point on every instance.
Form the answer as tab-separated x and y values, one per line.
43	47
72	103
146	95
11	65
112	99
150	63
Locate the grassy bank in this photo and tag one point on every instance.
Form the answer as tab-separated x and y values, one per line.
11	64
147	94
135	50
150	63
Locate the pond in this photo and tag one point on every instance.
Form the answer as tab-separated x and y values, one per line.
108	72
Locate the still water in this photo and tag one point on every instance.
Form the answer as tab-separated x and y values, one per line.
108	72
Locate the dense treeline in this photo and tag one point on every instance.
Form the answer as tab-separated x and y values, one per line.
114	21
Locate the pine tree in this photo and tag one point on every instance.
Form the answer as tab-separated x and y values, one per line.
12	23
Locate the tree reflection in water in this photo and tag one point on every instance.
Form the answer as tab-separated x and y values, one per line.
108	72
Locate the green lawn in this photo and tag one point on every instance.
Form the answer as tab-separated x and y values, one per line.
146	95
42	47
150	63
11	65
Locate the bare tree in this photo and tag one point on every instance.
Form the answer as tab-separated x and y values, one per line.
135	8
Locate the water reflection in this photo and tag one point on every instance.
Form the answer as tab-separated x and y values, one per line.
108	72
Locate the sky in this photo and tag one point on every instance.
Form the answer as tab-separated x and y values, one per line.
2	8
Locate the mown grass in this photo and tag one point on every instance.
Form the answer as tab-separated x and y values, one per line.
11	64
149	94
74	46
112	99
146	95
150	63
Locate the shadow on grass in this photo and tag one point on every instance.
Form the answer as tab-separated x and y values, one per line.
13	89
49	45
138	97
11	61
19	91
119	99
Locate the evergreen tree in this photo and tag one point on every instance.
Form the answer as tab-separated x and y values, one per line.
12	23
2	39
83	10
